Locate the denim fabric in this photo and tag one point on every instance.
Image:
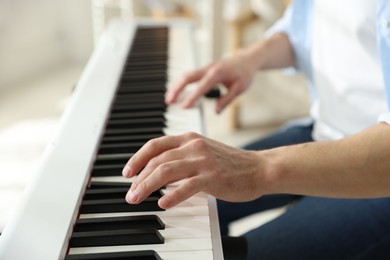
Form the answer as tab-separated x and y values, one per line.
312	227
229	212
323	228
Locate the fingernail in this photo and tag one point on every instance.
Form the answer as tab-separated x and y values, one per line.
163	202
126	171
132	196
133	186
218	110
185	105
168	98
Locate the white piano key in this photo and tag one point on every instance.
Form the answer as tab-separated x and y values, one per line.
186	232
188	221
190	244
175	211
169	221
113	179
187	255
181	121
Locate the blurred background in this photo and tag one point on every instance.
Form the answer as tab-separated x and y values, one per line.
45	45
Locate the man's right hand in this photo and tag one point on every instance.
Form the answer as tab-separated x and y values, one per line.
234	73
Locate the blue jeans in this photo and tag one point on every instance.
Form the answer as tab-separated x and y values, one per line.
312	227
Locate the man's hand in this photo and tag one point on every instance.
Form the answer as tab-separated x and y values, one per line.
234	73
206	165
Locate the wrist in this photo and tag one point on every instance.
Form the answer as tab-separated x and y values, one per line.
272	171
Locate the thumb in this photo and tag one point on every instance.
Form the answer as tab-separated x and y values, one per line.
226	99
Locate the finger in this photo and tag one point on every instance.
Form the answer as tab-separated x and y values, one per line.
167	172
177	87
165	157
228	97
183	192
148	151
210	79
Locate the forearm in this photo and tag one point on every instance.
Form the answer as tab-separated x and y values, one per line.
354	167
272	53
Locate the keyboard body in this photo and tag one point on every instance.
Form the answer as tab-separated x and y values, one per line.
42	225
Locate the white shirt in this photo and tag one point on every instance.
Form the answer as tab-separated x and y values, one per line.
346	68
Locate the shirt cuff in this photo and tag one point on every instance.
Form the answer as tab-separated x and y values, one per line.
384	118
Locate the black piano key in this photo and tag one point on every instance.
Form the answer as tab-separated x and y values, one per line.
143	130
155	30
118	223
139	137
121	100
144	77
147	32
136	123
129	138
160	68
113	193
144	47
144	33
143	39
160	119
160	54
123	123
151	100
152	86
131	87
116	237
130	255
107	170
140	107
139	96
102	165
149	86
160	105
157	54
159	40
108	185
144	44
118	205
112	159
141	103
136	114
147	39
106	193
214	93
154	69
128	114
120	148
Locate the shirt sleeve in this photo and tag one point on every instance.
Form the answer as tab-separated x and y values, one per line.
296	24
282	25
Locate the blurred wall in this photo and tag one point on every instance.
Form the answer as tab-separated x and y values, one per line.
41	35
